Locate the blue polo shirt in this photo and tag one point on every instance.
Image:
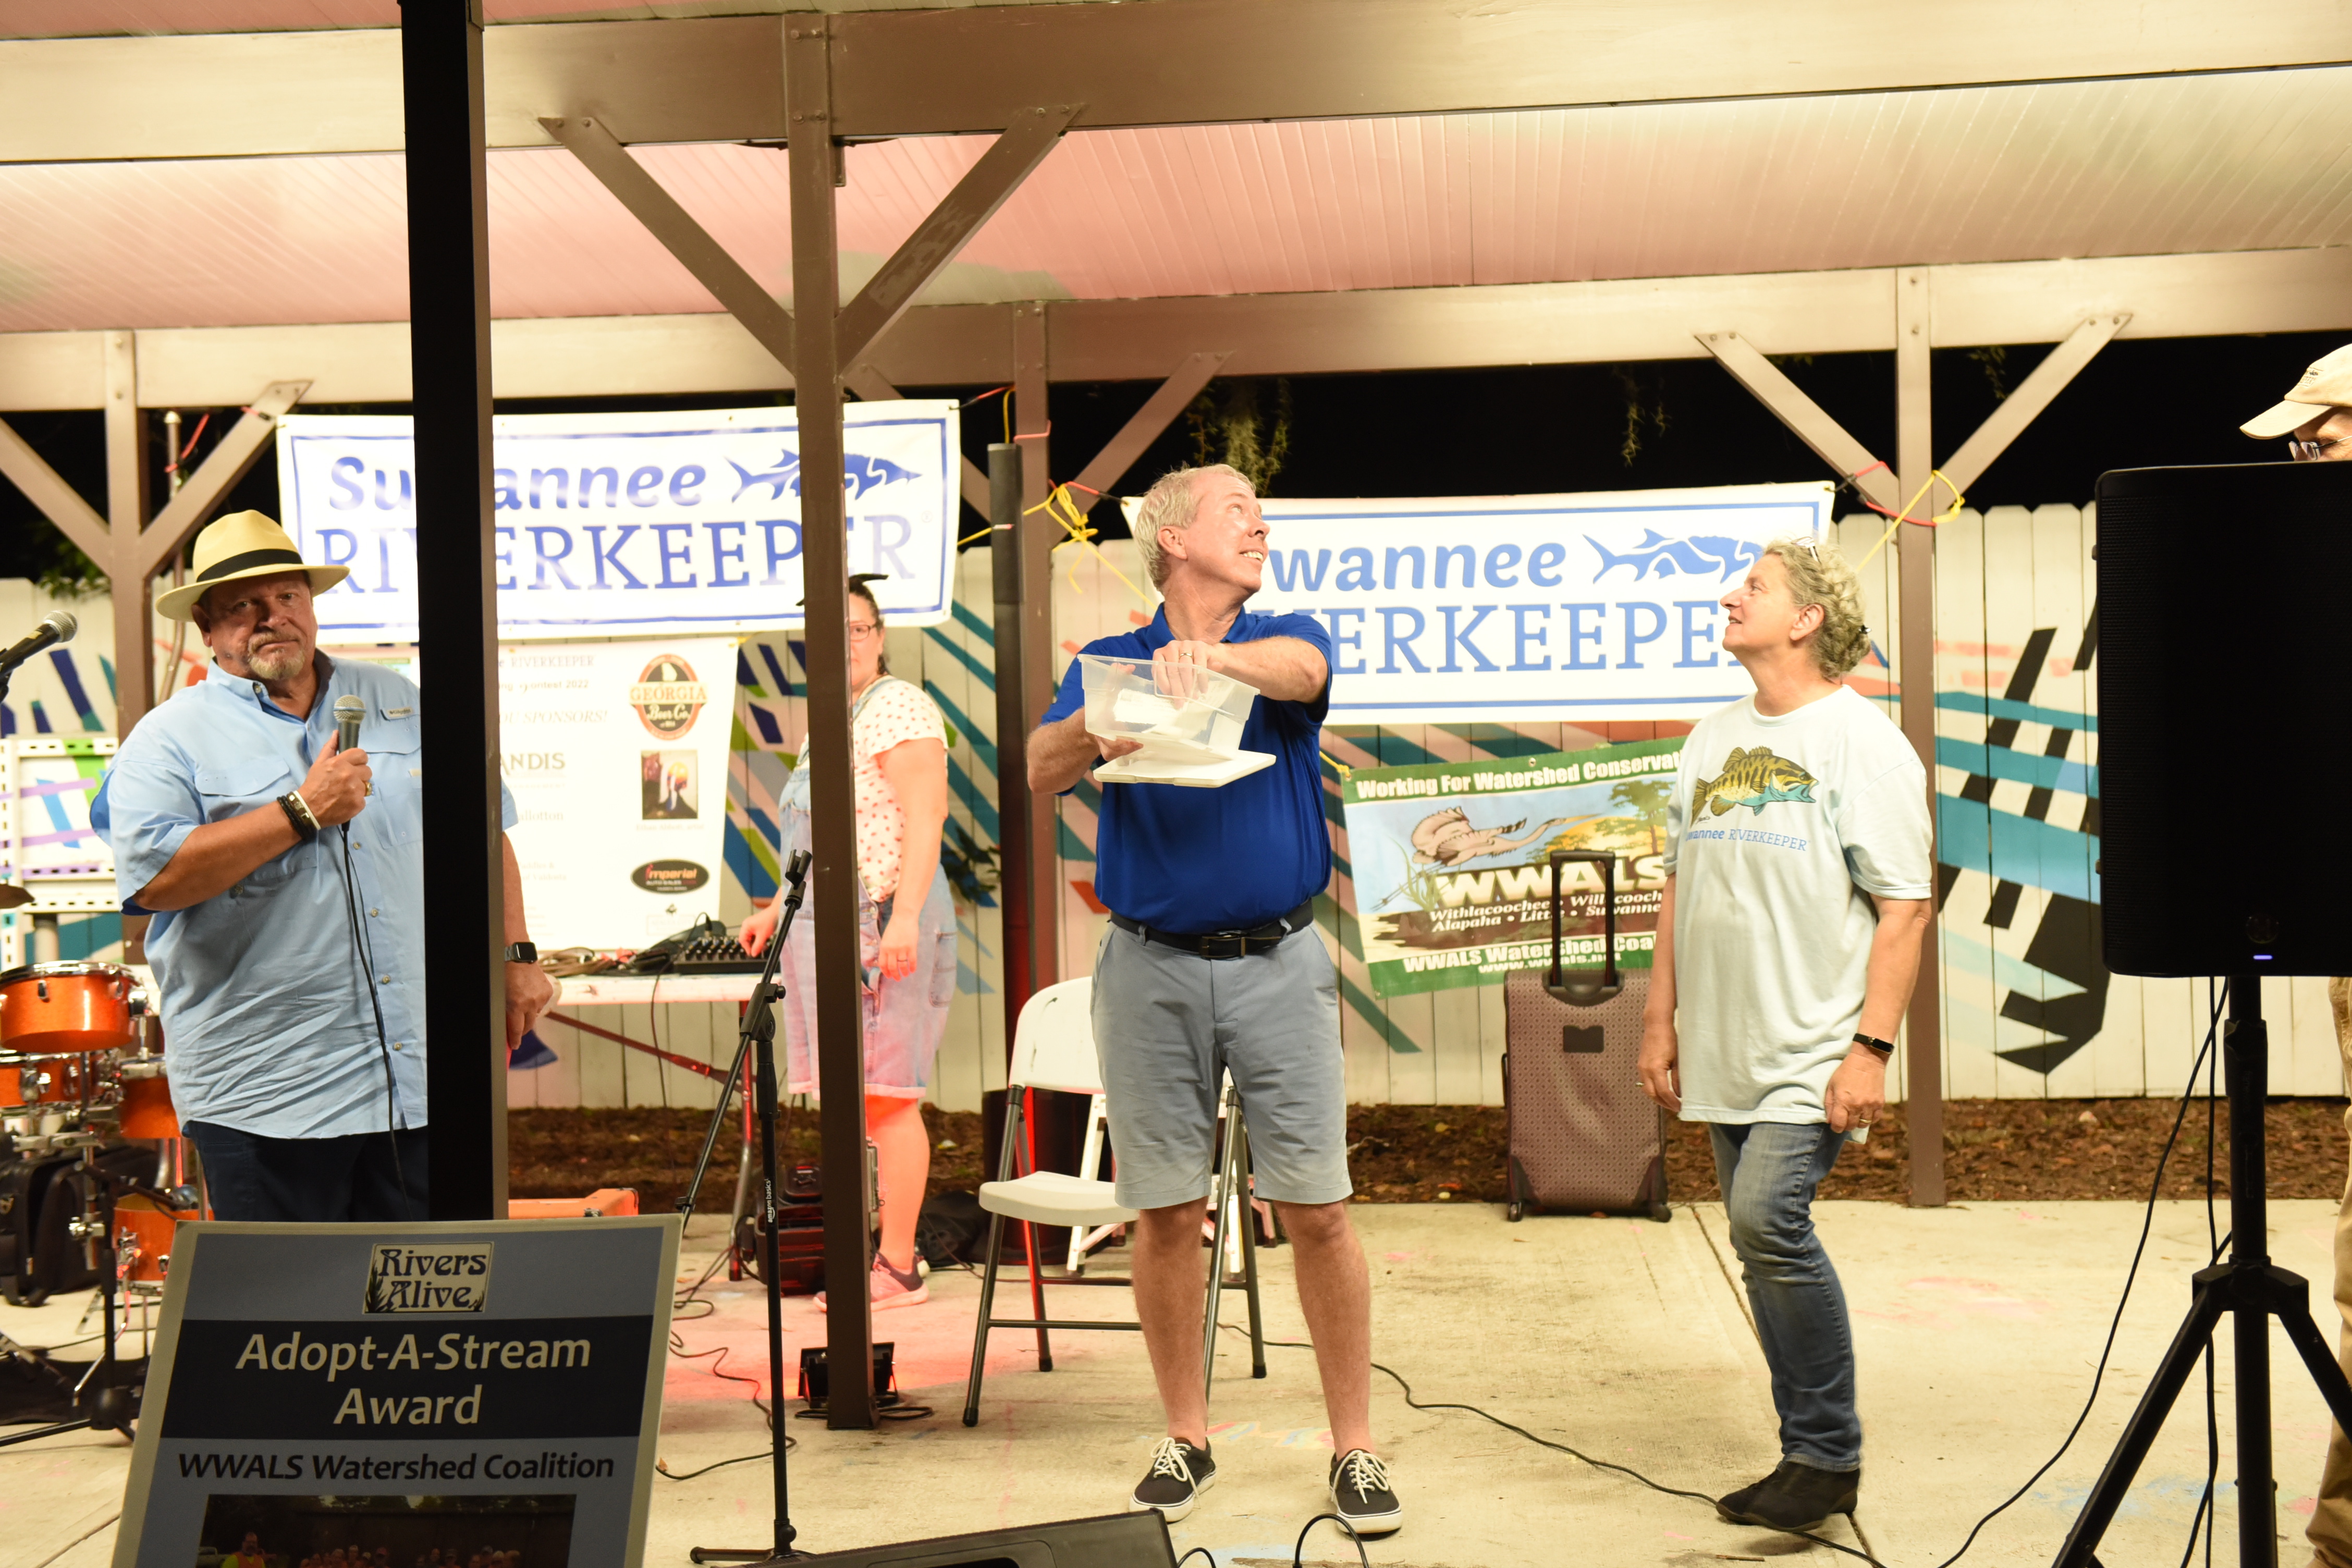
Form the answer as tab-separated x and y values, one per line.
1197	860
267	1024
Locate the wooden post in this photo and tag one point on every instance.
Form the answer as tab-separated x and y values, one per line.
833	803
126	519
1914	459
1036	537
449	360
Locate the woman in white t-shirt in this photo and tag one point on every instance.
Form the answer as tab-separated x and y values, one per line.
906	933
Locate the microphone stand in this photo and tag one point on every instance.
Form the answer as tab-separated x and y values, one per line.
759	1032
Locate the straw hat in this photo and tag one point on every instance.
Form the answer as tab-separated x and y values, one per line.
2326	385
241	544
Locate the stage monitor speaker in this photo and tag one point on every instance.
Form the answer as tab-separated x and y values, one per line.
1112	1540
2224	824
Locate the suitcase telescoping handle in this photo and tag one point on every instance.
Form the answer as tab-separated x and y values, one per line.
1586	992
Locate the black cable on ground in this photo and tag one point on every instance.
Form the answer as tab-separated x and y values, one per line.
2148	1222
1299	1550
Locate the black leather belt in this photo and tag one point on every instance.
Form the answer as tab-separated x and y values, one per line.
1227	944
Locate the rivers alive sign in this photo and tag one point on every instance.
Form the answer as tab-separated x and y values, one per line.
405	1387
1452	887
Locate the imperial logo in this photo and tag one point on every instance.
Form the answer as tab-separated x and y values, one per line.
667	696
429	1278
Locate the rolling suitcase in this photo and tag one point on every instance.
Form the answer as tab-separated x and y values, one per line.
1581	1134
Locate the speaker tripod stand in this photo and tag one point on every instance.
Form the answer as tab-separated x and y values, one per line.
2249	1288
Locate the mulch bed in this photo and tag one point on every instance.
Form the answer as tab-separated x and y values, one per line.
1995	1151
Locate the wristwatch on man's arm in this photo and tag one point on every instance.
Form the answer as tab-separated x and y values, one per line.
1883	1049
523	953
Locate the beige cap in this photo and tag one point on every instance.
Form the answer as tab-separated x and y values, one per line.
241	544
2326	385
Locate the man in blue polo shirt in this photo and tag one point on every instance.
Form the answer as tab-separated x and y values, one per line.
1213	964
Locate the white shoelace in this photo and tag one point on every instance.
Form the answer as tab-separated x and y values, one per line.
1167	1459
1364	1472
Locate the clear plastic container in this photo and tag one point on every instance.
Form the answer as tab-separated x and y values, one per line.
1188	732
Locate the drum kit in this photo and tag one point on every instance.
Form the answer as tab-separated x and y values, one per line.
92	1165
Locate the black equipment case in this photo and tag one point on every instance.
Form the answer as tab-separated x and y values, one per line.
1583	1135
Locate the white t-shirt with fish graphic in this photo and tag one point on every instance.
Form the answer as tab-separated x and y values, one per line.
1783	830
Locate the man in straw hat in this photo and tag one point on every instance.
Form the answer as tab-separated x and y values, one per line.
2315	418
286	876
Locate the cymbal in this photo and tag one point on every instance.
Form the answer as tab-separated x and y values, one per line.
13	896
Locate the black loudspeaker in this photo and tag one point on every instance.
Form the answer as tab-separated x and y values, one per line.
2225	837
1113	1541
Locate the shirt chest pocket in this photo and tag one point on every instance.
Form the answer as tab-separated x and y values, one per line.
232	789
396	759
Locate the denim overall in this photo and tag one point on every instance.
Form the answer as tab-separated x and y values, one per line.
904	1019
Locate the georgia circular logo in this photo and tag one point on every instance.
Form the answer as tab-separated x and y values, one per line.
667	696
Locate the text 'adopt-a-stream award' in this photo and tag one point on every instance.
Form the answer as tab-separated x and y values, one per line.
405	1387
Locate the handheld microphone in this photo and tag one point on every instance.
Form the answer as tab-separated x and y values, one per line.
57	627
349	711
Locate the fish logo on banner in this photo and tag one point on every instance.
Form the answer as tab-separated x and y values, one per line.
667	696
859	474
1699	555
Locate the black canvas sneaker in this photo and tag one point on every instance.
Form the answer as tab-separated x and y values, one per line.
1797	1496
1180	1473
1360	1494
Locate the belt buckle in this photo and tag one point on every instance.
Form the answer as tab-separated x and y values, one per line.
1235	943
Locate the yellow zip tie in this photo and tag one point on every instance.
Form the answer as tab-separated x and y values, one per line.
1083	533
1342	769
1959	500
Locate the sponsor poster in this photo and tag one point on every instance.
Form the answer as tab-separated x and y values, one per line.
1575	608
617	756
1452	887
492	1385
631	524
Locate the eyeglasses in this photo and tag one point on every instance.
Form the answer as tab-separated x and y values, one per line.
2314	451
860	631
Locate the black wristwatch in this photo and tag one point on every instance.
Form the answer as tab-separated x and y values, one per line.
1885	1049
298	811
521	952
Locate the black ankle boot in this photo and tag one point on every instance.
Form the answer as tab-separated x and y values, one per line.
1797	1496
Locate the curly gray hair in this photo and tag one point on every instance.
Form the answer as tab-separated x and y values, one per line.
1819	575
1170	504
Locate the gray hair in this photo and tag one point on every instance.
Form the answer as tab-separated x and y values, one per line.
1171	502
1819	575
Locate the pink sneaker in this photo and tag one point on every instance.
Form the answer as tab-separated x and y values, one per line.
891	1289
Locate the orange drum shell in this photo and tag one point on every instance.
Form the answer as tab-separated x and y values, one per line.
152	1228
65	1075
83	1011
147	1110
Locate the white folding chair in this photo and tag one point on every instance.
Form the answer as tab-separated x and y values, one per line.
1054	1049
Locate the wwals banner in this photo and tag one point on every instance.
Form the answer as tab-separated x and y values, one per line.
629	525
1452	884
1574	607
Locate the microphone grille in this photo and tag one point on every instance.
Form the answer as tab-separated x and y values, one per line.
349	707
65	622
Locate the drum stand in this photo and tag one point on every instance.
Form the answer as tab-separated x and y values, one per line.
107	1404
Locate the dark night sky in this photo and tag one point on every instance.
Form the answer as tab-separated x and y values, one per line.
1532	429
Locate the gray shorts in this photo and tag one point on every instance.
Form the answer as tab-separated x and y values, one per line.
1166	1023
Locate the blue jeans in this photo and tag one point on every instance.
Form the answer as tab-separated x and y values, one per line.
357	1178
1769	1171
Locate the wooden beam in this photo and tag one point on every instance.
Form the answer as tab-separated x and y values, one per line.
913	72
1923	1058
55	499
1800	413
2022	406
950	225
227	463
1276	335
1159	411
870	385
592	142
840	1052
128	587
1032	423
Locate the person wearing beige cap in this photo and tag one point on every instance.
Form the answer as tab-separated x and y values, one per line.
2316	419
286	876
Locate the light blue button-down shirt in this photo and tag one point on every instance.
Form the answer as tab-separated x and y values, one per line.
264	988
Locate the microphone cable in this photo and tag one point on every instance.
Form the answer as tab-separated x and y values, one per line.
363	949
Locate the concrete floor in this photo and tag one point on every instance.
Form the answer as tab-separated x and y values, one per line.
1978	1327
